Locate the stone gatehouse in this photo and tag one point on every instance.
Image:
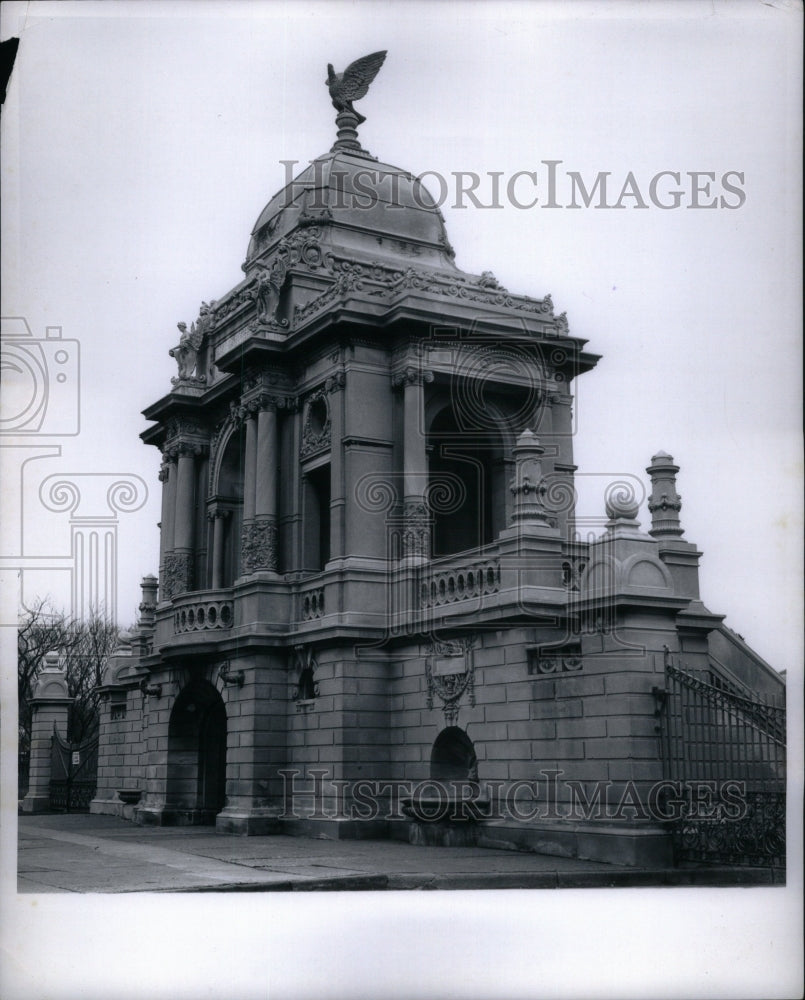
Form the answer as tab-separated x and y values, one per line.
371	575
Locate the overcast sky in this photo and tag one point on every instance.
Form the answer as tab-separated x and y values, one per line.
140	143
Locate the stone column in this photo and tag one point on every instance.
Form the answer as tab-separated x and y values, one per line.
167	476
179	562
264	531
51	707
249	483
416	534
218	519
334	386
664	503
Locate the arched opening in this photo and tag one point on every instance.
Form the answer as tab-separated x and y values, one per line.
466	480
196	786
453	757
229	502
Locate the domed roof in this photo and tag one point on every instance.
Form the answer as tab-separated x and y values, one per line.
364	204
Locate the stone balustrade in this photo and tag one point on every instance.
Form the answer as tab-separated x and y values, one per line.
311	604
458	582
198	613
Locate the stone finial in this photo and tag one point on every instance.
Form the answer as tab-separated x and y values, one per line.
621	504
349	86
664	503
51	683
148	604
528	488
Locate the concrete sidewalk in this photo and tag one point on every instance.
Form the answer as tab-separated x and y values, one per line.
83	853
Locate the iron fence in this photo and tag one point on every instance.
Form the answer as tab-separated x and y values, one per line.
73	774
726	754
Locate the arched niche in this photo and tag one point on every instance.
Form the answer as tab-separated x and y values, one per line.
453	757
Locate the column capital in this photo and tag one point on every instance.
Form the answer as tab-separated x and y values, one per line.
410	375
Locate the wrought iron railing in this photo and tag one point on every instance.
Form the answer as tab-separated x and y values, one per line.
73	774
726	754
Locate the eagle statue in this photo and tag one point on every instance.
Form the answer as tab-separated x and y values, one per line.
353	83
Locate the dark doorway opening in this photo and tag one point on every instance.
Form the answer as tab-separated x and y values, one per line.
317	518
196	786
467	468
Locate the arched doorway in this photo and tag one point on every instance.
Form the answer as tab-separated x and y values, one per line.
453	757
196	786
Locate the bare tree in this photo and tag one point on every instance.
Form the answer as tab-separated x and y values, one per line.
83	645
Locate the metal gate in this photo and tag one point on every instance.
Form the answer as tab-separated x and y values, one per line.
725	754
73	774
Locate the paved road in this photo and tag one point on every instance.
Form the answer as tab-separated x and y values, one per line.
82	853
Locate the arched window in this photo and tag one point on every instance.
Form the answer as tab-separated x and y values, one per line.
228	500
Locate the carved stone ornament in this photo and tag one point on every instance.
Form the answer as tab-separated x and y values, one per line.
555	659
259	547
450	672
411	375
353	83
488	280
190	343
176	574
316	427
266	291
306	689
674	502
416	529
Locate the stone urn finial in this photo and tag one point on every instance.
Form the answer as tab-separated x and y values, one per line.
664	503
528	487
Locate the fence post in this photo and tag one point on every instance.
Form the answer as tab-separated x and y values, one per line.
51	707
